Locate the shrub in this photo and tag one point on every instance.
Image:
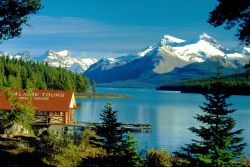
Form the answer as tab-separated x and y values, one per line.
159	158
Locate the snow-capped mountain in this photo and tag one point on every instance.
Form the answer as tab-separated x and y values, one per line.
170	40
64	59
109	63
166	57
170	59
204	48
56	59
246	51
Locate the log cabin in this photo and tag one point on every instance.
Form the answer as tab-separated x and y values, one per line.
53	107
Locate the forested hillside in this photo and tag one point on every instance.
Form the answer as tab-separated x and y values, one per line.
233	84
16	73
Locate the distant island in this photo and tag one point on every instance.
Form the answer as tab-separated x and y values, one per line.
237	84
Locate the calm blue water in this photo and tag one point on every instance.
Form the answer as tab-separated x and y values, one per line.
170	113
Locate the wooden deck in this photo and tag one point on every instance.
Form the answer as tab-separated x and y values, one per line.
144	128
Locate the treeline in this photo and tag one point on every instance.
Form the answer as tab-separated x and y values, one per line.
234	84
16	73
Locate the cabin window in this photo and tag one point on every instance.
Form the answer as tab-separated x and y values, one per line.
56	114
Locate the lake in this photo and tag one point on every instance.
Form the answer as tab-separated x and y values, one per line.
170	113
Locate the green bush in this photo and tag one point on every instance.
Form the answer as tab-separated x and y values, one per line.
22	114
158	158
248	162
58	150
62	150
181	162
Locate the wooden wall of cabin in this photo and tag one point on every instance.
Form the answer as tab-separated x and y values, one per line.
53	118
41	118
49	118
69	116
56	117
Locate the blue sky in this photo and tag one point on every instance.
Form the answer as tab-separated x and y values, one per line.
97	28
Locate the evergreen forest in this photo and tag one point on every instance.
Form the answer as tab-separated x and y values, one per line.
237	84
17	73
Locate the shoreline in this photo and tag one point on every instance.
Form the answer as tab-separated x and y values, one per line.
101	95
246	93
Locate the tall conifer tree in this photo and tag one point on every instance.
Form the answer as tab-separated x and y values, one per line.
218	144
130	155
110	136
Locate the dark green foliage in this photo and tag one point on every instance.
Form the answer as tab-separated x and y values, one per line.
247	162
218	144
57	150
130	156
231	13
22	114
158	158
234	84
50	145
119	151
20	74
110	136
14	14
81	83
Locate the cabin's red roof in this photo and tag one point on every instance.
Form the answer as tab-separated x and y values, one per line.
42	100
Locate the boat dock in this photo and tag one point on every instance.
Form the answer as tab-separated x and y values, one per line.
143	128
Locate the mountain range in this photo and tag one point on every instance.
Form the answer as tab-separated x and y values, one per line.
170	60
56	59
64	59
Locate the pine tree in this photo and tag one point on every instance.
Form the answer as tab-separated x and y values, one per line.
14	14
218	144
19	74
110	135
131	156
233	13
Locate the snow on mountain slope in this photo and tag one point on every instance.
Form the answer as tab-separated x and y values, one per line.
109	63
199	51
246	49
82	64
236	56
63	53
145	51
169	40
169	54
64	59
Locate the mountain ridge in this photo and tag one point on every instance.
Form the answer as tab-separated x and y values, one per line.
168	60
62	58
